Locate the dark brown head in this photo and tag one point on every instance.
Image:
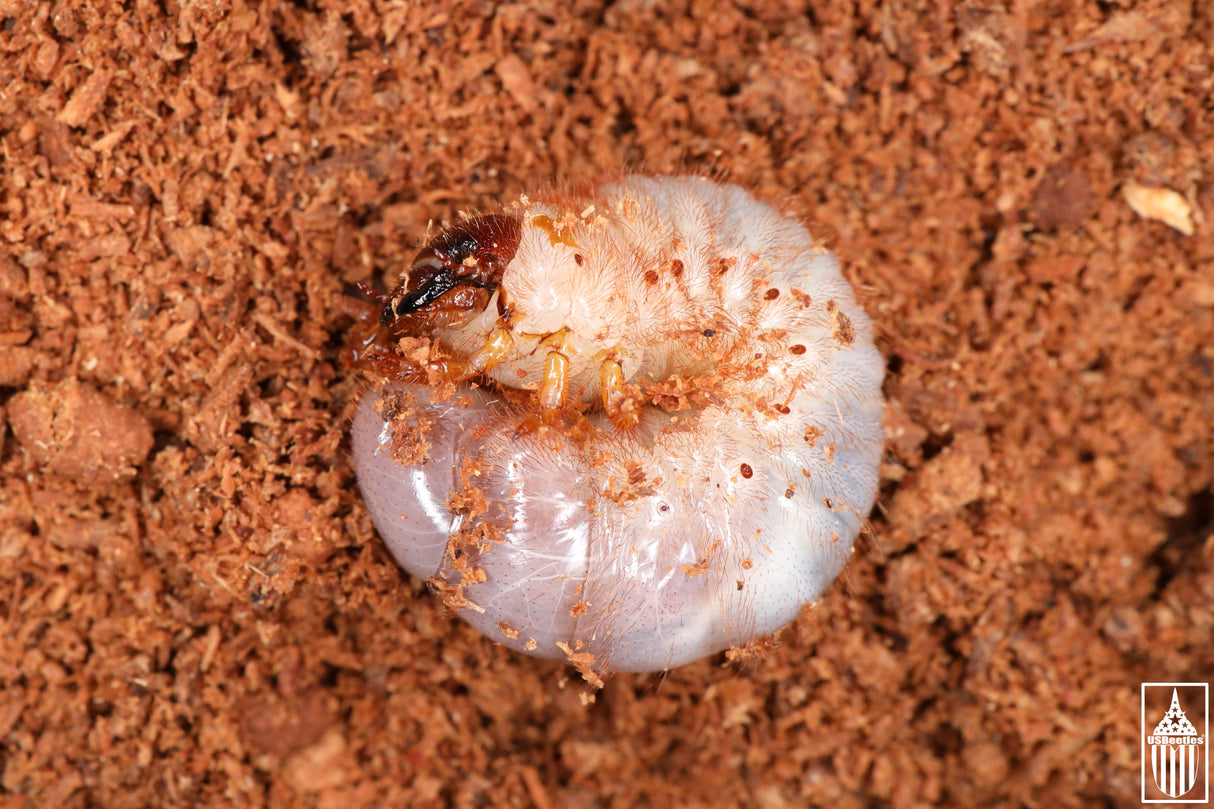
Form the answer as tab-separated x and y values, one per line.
466	260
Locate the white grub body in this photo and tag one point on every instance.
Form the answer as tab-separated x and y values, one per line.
713	520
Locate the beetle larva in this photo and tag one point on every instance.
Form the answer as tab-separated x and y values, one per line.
674	434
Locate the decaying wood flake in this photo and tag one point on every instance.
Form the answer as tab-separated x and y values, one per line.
1161	204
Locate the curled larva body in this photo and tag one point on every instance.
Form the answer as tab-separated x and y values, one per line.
708	428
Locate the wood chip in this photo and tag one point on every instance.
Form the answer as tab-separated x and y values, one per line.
1161	204
86	99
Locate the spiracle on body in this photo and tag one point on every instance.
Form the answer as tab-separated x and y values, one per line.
628	427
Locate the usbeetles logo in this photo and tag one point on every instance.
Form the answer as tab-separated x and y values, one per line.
1175	757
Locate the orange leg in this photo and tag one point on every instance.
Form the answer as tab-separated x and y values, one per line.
618	406
497	345
611	383
553	389
555	384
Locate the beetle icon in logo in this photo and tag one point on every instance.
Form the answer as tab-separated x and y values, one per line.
1177	752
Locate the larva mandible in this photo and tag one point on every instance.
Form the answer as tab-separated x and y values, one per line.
673	439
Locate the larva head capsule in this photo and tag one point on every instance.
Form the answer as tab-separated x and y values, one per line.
456	273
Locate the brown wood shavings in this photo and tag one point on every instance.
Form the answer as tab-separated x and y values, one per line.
189	188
